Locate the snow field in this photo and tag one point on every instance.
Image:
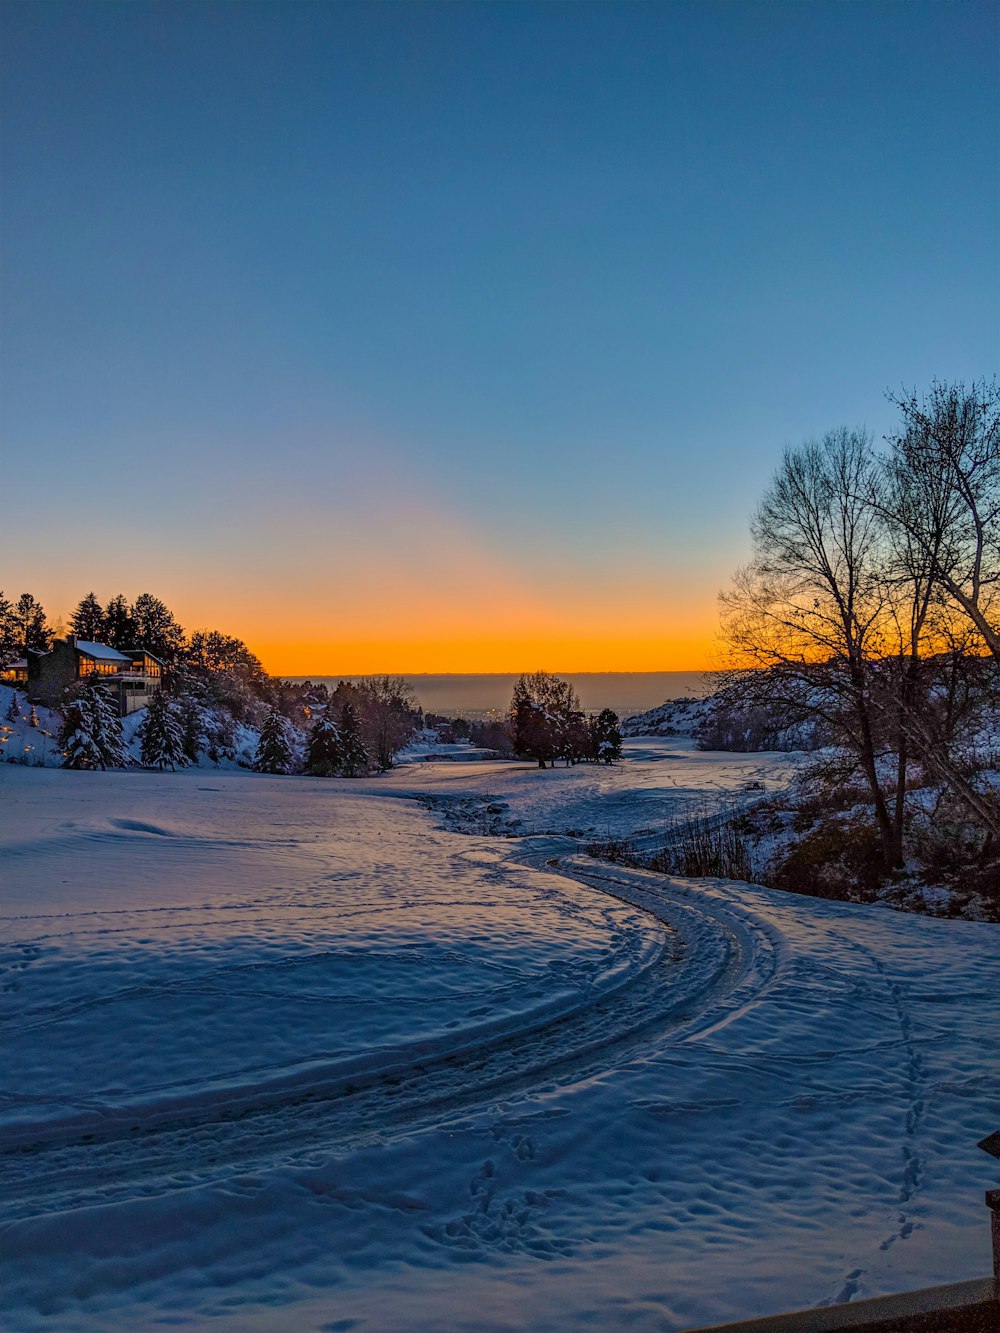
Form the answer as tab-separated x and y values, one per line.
684	1102
234	964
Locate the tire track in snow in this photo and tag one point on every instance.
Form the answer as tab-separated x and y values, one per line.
717	961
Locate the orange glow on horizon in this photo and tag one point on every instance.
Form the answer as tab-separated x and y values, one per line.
470	656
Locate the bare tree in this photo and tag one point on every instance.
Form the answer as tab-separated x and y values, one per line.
942	498
810	605
388	706
939	497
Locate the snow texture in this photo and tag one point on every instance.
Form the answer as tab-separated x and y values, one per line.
298	1054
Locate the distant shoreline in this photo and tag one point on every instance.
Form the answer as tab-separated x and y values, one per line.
472	693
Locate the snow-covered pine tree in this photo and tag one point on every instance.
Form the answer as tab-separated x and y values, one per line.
33	717
274	753
191	717
91	735
79	745
606	737
355	760
325	755
161	734
13	708
109	727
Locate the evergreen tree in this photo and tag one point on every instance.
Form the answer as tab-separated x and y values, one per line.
156	628
79	746
32	631
33	717
87	621
91	735
191	718
325	755
355	759
274	753
118	628
605	737
13	708
8	632
162	735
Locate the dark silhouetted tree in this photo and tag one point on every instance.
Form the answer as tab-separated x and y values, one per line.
118	628
32	631
157	629
943	496
8	632
88	620
545	717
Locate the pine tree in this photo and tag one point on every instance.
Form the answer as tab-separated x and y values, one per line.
605	737
8	632
32	631
156	628
91	735
87	621
191	717
13	708
274	753
326	753
118	627
77	737
33	717
162	735
109	736
355	759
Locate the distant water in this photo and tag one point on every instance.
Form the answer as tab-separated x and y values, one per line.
627	692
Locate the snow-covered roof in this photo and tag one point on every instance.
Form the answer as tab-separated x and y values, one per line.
101	650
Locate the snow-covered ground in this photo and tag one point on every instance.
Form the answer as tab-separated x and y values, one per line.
662	779
297	1054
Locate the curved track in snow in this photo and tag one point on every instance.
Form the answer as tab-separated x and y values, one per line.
716	961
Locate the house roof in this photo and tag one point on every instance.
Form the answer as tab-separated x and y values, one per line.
100	650
144	652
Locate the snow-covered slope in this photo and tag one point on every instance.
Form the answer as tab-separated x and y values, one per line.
289	1055
676	717
38	746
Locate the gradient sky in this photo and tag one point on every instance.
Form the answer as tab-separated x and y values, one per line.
464	337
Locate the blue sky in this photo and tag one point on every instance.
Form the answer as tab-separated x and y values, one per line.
298	294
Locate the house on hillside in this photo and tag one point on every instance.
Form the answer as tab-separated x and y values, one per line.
132	677
15	673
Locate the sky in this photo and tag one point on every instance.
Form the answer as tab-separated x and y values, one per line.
464	337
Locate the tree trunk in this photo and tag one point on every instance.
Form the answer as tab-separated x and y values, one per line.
867	756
